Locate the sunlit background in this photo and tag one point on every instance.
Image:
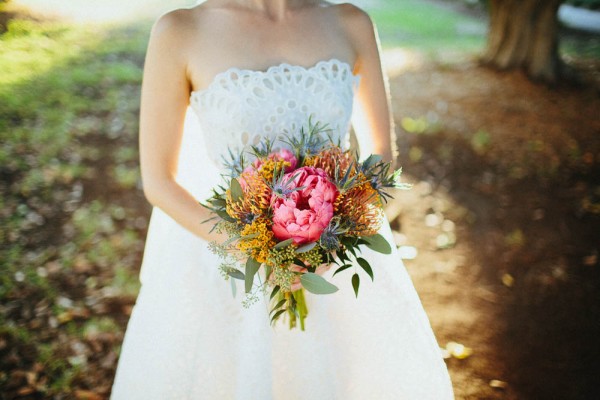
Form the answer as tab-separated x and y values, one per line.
499	233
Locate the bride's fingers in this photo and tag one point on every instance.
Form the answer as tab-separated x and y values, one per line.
296	284
321	269
297	268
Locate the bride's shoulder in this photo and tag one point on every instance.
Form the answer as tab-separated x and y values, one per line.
353	18
180	22
351	15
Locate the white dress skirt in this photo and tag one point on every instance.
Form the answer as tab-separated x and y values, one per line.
189	338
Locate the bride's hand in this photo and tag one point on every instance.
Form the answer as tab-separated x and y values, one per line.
321	269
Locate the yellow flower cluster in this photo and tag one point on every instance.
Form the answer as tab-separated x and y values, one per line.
259	246
268	168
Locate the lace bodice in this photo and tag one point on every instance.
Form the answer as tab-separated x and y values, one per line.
240	106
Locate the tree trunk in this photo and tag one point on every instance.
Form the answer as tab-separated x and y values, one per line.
524	34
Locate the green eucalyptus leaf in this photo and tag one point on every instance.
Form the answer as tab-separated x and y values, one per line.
342	268
378	243
355	283
252	267
234	273
250	236
229	241
283	244
223	214
217	202
306	247
237	193
366	266
317	284
233	287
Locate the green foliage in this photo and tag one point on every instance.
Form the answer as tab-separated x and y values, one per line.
426	26
252	267
378	243
317	284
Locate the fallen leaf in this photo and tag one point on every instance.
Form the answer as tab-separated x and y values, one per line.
458	350
497	384
87	395
508	280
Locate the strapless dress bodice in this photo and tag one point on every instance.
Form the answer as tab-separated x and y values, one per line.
242	106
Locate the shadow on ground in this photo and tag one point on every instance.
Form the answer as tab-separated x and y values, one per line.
515	168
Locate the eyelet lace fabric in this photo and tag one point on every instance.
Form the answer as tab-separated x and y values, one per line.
241	106
189	338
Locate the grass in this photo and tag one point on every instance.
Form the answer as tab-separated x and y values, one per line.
433	29
426	27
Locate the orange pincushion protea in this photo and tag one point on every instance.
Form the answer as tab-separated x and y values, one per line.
361	206
330	159
255	201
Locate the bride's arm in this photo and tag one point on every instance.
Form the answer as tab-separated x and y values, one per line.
376	135
164	100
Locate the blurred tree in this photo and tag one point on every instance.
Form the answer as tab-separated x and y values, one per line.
524	34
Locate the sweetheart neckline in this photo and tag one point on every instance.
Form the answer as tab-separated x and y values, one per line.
280	66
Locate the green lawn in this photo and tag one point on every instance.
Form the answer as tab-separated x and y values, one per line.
426	27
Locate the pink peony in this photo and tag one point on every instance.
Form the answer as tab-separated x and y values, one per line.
303	214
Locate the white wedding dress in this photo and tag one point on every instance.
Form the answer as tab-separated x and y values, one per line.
189	338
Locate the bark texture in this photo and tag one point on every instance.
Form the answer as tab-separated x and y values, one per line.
524	34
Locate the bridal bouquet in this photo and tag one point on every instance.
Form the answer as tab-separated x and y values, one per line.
297	211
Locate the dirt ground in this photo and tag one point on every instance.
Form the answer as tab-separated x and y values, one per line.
503	217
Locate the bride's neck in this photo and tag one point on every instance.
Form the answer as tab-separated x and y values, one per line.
275	9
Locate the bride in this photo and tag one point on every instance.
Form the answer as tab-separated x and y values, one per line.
218	77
